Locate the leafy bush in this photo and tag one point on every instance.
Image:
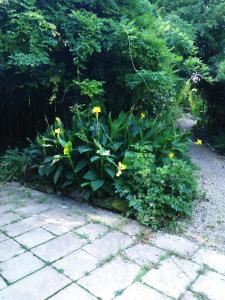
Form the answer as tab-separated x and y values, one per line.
57	53
155	194
139	158
90	153
13	165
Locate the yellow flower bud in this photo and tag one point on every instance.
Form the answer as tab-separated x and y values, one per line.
171	155
198	142
96	110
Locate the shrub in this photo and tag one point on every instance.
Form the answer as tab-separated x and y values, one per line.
155	194
13	165
132	155
88	155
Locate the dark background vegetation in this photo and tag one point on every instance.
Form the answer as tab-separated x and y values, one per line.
57	53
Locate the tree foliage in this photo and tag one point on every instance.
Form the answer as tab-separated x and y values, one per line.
57	53
207	20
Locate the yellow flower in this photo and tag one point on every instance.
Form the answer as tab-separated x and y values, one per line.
119	173
58	131
66	151
142	115
121	167
198	142
96	110
171	155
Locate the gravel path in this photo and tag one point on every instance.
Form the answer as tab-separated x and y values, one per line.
208	221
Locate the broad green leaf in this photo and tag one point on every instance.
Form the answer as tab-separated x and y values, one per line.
94	158
110	172
91	175
81	164
48	159
83	149
57	174
97	184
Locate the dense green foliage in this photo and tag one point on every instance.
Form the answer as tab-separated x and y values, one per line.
207	20
133	156
106	78
155	193
57	53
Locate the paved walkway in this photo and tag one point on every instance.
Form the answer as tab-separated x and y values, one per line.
54	248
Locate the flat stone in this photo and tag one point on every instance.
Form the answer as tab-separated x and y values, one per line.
75	265
58	221
210	258
212	285
3	237
132	228
144	254
37	286
35	237
138	291
176	244
2	283
73	292
109	244
20	227
8	249
106	217
172	277
59	247
20	266
8	218
110	278
32	209
188	296
92	231
6	208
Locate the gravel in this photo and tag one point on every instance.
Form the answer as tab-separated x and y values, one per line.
207	225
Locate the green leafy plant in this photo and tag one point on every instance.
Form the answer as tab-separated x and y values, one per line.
156	195
13	165
89	154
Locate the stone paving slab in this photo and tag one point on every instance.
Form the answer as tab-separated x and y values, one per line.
106	217
132	228
2	283
175	244
144	254
7	208
59	221
78	263
56	248
37	286
212	285
8	218
189	296
109	244
8	249
92	231
32	209
210	258
108	280
172	277
3	237
20	266
73	292
34	237
59	247
21	227
138	291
